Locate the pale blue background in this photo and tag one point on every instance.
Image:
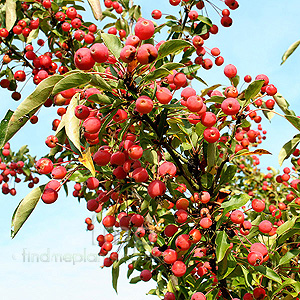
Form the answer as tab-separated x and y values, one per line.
261	32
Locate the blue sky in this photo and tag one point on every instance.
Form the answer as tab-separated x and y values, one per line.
261	32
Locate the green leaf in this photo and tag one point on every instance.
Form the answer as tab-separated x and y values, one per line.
190	69
115	275
199	128
135	280
283	104
4	124
288	282
216	99
71	81
288	256
269	273
25	208
226	266
288	149
235	202
32	35
211	88
172	46
295	121
30	106
101	98
286	226
253	89
96	8
228	174
108	13
158	73
71	123
222	245
10	13
113	43
205	20
289	51
100	83
235	80
172	66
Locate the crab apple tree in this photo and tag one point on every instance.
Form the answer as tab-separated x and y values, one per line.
168	165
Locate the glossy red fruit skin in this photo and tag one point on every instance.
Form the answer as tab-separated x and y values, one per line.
44	166
49	196
146	275
179	268
83	59
230	71
82	112
101	157
91	125
156	188
99	53
144	29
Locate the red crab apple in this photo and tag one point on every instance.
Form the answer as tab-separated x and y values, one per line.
144	105
83	59
198	296
156	188
179	268
44	166
49	196
230	71
146	275
144	29
146	54
230	106
99	53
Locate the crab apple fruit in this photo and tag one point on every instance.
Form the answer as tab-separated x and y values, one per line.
156	14
71	13
82	112
248	296
270	103
83	59
255	258
183	242
211	134
99	53
179	268
263	77
92	183
152	237
140	175
44	166
170	230
144	29
169	296
20	75
156	188
230	71
259	247
59	172
230	106
237	217
146	54
226	21
182	203
195	235
144	105
92	204
169	256
118	158
208	119
163	95
205	222
179	79
101	157
135	152
198	296
259	293
188	92
167	168
258	205
49	196
204	197
181	216
109	221
137	220
91	125
146	275
194	103
133	40
193	15
265	226
51	141
127	54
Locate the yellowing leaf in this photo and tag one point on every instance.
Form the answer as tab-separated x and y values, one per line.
112	210
257	151
96	8
87	161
